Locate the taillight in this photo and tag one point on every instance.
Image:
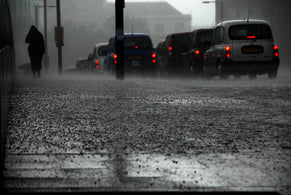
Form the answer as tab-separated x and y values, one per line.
251	37
197	52
170	48
276	51
154	56
115	57
97	66
97	62
227	51
205	56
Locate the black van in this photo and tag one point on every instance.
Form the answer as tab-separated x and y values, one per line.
200	42
172	52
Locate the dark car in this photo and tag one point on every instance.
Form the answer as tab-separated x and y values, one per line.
84	64
139	55
98	56
94	61
172	52
201	41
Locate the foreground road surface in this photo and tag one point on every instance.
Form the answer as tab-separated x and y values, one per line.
90	134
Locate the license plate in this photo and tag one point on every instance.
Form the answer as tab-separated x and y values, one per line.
252	49
135	63
132	57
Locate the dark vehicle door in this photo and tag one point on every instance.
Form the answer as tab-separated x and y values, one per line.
213	53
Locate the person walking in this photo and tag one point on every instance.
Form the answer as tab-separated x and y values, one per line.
36	49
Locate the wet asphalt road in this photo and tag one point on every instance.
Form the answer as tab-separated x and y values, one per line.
143	134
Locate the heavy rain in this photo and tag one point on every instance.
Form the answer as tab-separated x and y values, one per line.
202	105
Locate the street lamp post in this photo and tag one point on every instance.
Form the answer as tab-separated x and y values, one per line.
119	38
45	6
221	9
46	59
59	37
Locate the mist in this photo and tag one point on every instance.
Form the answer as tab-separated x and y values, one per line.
89	22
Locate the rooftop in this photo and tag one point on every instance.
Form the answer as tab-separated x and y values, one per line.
149	8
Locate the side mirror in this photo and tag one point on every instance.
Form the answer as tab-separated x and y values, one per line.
90	56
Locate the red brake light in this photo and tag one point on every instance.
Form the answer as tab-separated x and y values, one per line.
197	52
276	51
276	47
115	57
154	55
251	37
136	47
227	51
170	48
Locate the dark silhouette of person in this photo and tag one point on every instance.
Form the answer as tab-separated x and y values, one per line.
36	49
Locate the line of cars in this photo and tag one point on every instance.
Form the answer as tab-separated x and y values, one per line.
234	47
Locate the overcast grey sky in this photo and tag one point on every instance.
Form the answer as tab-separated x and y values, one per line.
202	14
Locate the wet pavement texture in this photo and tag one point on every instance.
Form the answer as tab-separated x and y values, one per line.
149	134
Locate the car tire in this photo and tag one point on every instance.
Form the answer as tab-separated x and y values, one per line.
252	76
237	76
272	74
221	71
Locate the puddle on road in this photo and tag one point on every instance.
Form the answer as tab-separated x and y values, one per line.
142	171
179	170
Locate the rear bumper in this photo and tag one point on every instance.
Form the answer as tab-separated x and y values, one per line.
140	68
245	67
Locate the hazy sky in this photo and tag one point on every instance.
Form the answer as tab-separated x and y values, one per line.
202	14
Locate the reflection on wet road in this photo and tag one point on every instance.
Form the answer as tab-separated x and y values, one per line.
89	134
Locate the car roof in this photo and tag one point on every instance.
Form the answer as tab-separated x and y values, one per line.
133	34
237	22
182	33
101	45
202	29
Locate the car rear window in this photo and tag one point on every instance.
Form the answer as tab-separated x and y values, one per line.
102	51
242	32
204	38
140	42
181	42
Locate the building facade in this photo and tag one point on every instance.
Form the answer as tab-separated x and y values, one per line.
23	15
161	18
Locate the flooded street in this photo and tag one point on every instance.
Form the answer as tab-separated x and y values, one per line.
143	134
